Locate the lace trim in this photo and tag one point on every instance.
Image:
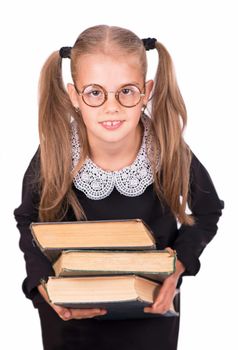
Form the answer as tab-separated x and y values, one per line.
130	181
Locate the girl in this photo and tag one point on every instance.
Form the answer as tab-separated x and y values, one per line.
101	157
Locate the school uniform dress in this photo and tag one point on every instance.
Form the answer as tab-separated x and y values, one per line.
108	195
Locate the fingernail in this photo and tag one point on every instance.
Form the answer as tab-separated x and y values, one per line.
103	311
67	314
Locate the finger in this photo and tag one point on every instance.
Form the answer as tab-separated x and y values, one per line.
63	313
170	251
92	316
67	315
164	304
161	310
161	305
159	299
87	313
152	311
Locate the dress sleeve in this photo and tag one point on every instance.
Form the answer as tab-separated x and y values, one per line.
37	265
206	207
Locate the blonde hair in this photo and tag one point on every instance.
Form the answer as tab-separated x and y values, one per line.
168	116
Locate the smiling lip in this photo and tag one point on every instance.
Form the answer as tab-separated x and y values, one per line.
112	124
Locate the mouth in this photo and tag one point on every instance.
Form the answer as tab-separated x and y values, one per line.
111	124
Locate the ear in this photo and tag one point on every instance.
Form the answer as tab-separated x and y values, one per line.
74	98
148	88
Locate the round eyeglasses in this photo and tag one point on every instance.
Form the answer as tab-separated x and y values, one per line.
95	95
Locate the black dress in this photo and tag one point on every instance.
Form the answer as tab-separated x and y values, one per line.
159	333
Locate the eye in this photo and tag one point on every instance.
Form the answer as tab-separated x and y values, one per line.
127	91
93	91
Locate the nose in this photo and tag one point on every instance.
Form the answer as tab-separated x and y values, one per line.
111	104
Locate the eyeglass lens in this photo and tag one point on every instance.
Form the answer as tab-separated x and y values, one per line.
95	95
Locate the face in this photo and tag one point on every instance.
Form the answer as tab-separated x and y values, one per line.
111	122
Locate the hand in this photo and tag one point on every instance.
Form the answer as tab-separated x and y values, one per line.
67	314
167	291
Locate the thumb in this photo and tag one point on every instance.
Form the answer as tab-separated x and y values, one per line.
63	312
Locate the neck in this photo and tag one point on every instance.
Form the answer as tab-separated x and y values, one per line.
118	155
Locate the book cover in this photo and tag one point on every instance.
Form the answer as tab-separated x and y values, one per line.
53	237
124	297
154	264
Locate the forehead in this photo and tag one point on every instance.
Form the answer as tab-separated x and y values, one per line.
109	71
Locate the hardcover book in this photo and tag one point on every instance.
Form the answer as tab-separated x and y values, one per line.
124	297
53	237
155	264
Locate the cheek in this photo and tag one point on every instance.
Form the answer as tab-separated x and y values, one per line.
89	115
136	111
134	115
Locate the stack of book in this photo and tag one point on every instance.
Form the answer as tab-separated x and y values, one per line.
104	264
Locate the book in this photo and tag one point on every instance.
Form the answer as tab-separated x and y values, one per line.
53	237
155	264
124	297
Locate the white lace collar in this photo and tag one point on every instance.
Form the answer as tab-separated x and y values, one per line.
97	183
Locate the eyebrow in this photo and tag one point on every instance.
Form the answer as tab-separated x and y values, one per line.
123	84
132	83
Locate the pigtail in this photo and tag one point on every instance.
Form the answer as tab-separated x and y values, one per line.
55	111
169	118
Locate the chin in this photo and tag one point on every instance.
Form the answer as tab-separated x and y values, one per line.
112	138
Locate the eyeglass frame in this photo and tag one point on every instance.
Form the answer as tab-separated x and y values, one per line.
80	93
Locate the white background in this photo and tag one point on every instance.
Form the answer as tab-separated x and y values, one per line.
201	37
